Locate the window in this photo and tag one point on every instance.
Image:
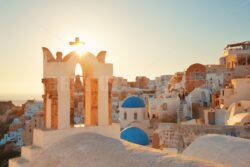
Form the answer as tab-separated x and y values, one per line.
125	115
135	116
197	76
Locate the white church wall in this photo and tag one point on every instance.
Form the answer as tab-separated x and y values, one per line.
130	116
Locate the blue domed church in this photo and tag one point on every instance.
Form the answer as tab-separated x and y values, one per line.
134	120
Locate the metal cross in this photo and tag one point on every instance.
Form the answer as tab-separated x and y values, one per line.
76	42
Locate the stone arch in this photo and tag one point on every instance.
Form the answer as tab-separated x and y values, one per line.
86	61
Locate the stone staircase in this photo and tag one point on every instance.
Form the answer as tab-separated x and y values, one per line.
27	154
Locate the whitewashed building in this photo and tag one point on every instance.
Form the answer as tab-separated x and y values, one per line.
160	107
237	90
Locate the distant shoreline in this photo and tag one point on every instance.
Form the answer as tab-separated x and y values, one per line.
20	102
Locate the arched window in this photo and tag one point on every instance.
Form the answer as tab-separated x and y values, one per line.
135	116
125	115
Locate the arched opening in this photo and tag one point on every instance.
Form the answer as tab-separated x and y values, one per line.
78	97
79	71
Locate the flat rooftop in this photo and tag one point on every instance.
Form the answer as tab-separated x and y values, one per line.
240	46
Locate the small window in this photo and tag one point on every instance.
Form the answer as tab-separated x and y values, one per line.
135	116
125	116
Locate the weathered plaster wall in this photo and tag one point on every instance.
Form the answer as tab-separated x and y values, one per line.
180	136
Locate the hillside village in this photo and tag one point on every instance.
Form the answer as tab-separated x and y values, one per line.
168	113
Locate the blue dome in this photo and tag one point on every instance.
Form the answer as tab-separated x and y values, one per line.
133	102
135	135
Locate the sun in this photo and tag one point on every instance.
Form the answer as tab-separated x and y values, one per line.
78	70
80	49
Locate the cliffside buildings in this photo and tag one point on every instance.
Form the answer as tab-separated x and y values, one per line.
235	55
22	127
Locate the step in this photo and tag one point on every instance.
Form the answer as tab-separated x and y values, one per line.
30	152
18	162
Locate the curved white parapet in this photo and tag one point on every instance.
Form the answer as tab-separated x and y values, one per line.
231	151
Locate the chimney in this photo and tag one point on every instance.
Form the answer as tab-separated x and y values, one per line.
58	56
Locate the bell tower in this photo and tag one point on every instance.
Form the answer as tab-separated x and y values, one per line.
58	82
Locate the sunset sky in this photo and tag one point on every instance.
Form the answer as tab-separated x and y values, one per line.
141	37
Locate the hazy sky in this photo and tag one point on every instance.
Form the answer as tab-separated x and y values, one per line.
141	37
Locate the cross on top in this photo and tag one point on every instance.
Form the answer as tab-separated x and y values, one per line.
76	42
